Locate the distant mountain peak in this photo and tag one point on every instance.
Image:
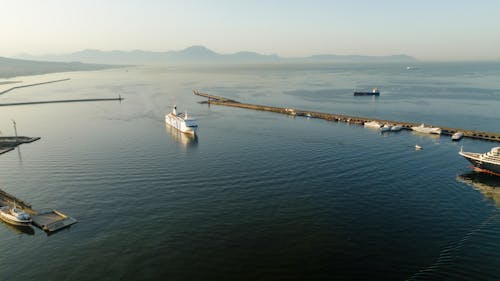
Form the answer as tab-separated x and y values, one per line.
197	50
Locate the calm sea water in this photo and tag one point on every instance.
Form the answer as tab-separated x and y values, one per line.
256	196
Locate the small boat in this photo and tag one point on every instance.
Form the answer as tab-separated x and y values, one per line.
396	128
457	136
181	121
385	128
488	162
374	92
426	130
411	68
14	215
372	124
418	147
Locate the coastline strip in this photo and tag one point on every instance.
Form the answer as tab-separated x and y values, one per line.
490	136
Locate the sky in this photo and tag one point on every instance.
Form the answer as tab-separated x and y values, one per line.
425	29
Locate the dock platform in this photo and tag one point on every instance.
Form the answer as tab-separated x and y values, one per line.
49	220
216	100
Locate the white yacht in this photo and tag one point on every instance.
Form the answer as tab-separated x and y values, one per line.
426	130
181	121
14	215
396	128
457	136
373	124
385	128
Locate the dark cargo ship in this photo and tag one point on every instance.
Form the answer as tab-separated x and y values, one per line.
374	92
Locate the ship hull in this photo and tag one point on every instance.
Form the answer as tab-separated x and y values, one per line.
179	124
482	166
8	218
426	130
367	93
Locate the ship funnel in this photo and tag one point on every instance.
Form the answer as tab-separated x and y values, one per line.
174	111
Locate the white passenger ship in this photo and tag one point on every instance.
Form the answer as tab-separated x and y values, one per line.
181	121
488	162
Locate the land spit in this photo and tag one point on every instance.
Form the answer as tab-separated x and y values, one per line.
217	100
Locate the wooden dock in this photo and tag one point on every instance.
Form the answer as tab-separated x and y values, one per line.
49	220
212	99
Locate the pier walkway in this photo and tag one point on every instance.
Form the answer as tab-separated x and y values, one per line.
490	136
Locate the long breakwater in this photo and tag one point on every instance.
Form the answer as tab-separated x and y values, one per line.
119	98
217	100
32	85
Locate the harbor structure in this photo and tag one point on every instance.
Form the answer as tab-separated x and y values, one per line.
216	100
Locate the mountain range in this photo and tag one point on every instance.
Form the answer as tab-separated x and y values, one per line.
200	54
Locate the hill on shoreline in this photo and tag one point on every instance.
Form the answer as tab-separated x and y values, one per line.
17	67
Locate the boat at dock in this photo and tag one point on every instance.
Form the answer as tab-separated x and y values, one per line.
374	92
457	136
216	100
181	121
426	130
373	124
396	128
385	128
14	215
488	162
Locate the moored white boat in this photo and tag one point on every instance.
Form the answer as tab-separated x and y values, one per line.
181	121
396	128
385	128
14	215
418	147
426	130
373	124
457	136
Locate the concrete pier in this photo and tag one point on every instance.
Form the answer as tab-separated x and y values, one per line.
49	220
490	136
119	98
9	143
32	85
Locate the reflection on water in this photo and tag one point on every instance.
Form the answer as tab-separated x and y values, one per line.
488	185
19	229
185	140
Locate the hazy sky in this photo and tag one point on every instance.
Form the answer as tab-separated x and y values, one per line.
426	29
